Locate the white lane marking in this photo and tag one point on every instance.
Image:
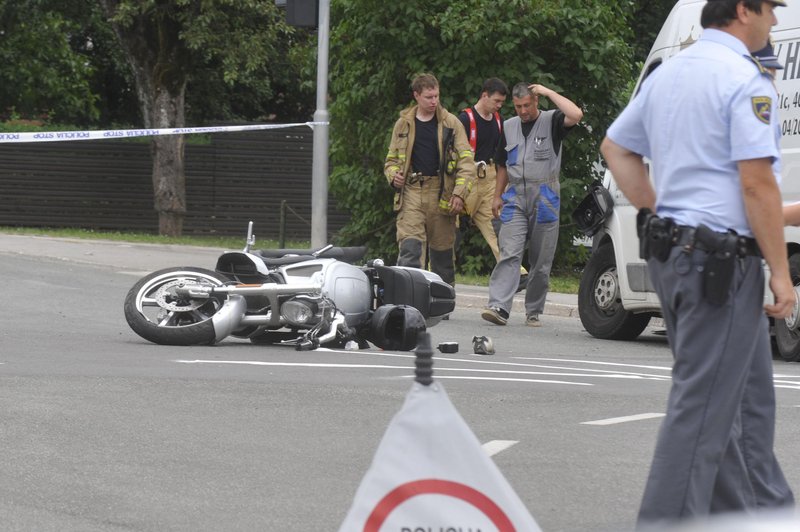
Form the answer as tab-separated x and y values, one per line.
506	379
291	364
665	368
404	368
616	374
625	419
787	384
497	446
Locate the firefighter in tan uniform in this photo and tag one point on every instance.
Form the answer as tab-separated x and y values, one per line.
429	165
484	128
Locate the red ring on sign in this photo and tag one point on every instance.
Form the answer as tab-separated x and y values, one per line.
432	486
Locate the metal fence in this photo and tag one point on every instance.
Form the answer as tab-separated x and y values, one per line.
107	185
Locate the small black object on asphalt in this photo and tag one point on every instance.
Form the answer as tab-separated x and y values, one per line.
448	347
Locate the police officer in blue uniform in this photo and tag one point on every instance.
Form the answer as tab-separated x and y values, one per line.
707	121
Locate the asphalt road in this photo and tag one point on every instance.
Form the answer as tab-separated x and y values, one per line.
101	430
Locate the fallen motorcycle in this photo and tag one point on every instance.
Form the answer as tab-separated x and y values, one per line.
304	298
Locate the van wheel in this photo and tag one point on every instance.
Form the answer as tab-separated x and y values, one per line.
787	332
599	304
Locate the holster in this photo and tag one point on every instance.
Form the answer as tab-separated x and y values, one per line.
720	263
655	235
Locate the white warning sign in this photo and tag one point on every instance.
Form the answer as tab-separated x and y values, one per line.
430	474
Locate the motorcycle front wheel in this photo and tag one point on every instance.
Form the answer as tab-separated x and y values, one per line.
156	313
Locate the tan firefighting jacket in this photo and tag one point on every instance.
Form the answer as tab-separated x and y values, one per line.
456	165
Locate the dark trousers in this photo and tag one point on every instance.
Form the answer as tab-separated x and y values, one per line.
714	451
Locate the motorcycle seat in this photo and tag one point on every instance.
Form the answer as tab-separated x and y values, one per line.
280	257
289	259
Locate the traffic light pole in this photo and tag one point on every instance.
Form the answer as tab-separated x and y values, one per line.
320	168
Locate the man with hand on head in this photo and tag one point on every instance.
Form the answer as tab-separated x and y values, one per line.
527	198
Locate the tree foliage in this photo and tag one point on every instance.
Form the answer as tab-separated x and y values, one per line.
648	16
577	47
47	72
239	61
169	43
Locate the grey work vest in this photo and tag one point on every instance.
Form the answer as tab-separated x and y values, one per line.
532	158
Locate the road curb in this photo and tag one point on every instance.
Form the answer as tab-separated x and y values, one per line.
472	298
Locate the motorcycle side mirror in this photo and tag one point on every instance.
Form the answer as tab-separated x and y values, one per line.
251	238
322	250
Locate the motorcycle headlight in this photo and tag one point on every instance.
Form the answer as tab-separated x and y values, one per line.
300	312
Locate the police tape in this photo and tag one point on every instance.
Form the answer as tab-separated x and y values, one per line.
58	136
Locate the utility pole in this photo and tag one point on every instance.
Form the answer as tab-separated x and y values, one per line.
319	172
311	13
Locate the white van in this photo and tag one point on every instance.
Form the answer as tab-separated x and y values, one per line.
616	299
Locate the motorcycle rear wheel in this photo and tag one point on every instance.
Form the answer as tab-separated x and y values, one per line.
157	314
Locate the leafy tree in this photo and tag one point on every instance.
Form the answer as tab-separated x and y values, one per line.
577	47
648	16
46	72
169	44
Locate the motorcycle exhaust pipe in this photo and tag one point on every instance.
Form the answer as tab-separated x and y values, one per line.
229	317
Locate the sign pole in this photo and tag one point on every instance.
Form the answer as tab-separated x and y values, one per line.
319	173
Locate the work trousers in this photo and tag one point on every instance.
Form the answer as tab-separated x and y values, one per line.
526	225
422	224
479	208
714	451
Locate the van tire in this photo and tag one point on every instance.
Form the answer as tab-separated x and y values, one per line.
787	341
599	304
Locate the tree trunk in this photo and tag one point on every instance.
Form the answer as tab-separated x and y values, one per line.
169	184
159	63
169	179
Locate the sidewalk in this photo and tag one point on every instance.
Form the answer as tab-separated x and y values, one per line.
477	297
144	258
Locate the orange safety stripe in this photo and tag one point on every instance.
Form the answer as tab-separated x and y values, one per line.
473	127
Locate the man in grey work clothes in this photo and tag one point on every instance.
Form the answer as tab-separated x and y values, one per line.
707	120
527	198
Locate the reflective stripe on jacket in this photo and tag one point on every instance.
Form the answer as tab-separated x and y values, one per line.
459	167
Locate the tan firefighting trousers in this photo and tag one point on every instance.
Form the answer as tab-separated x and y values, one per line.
479	207
423	223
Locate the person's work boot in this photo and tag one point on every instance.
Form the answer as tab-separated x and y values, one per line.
495	315
533	321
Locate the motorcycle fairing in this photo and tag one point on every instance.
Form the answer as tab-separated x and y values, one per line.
343	283
243	267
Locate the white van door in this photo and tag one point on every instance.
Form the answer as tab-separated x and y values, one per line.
616	299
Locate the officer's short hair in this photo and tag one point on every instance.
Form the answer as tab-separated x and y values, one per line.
720	13
424	81
521	90
495	85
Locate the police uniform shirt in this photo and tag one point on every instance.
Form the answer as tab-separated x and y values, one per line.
695	117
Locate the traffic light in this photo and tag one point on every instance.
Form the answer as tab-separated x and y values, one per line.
303	13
